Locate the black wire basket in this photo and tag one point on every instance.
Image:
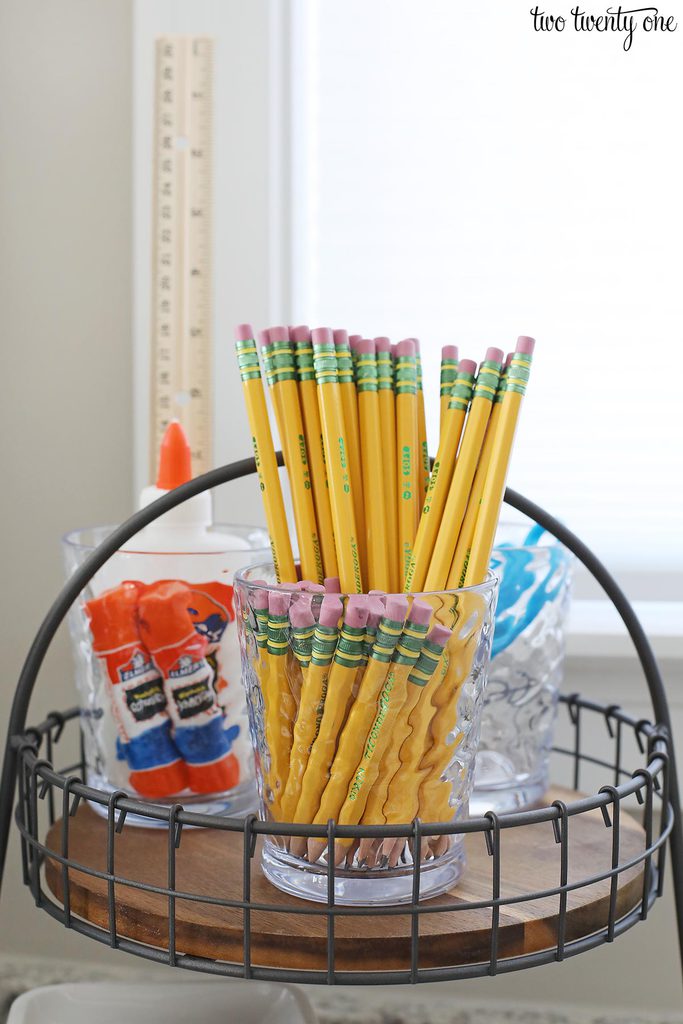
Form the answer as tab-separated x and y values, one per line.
548	882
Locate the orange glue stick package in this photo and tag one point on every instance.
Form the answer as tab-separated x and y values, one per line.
179	653
136	690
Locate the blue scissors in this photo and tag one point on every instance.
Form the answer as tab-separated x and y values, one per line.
521	595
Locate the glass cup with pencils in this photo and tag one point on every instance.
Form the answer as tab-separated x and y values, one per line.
364	710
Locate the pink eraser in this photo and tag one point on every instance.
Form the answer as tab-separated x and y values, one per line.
263	338
332	585
377	593
278	602
322	336
449	352
494	355
341	338
417	345
259	598
406	347
508	358
467	366
397	608
354	339
366	346
382	345
525	345
278	334
244	332
440	635
312	588
300	614
300	334
356	614
330	611
394	346
420	613
375	611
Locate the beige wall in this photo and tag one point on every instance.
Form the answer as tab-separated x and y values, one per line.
65	241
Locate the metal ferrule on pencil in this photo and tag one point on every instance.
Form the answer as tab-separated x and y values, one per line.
247	360
426	664
410	643
325	363
487	381
350	645
278	634
461	392
388	632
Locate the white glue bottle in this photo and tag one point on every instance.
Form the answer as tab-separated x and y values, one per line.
181	545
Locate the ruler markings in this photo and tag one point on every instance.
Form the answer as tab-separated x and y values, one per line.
182	246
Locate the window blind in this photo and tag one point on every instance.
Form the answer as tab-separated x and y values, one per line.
445	187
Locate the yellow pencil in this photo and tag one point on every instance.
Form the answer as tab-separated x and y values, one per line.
402	803
349	401
443	740
419	690
341	678
440	480
337	461
279	703
465	467
494	485
387	416
275	395
407	451
308	394
389	704
312	701
264	453
372	457
361	716
281	376
456	577
421	427
449	372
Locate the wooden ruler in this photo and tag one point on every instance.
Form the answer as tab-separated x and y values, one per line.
181	344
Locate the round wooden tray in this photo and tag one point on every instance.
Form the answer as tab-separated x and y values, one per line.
210	863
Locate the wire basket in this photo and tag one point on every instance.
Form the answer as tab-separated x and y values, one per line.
164	905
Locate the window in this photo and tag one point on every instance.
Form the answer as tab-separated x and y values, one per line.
443	189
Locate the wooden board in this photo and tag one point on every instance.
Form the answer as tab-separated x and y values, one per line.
210	863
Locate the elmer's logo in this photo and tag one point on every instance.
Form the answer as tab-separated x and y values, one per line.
209	616
185	666
138	664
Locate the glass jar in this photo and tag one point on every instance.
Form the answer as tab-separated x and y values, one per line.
527	666
364	710
163	713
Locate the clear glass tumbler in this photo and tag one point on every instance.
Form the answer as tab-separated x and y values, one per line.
163	713
525	675
364	710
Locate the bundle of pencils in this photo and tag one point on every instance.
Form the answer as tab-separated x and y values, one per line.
359	711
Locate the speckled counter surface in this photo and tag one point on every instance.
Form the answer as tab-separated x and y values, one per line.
337	1006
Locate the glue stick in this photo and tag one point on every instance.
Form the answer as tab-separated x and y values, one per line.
136	693
179	653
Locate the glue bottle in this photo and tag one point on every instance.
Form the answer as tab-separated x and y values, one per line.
185	528
181	546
